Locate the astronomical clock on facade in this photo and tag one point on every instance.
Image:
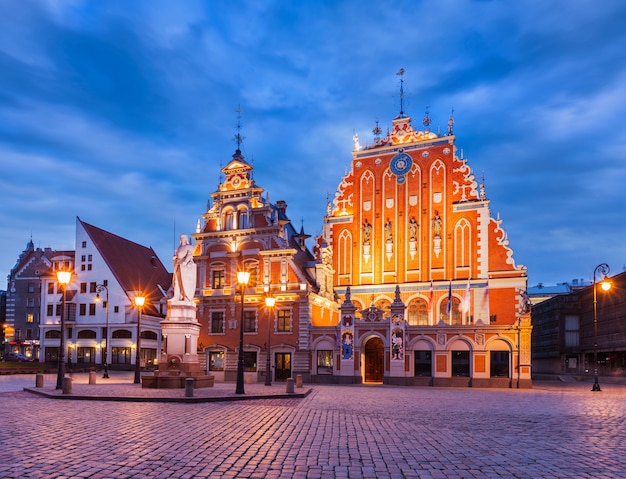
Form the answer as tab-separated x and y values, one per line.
430	292
411	281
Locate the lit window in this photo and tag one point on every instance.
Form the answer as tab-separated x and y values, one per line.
284	321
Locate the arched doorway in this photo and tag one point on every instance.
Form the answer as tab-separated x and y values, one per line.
374	360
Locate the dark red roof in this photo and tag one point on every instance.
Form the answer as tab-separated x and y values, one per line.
135	267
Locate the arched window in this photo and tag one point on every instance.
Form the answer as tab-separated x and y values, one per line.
229	220
243	218
418	312
148	335
452	317
54	334
86	334
463	250
122	334
344	252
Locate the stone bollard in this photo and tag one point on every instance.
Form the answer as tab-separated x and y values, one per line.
189	387
92	377
67	385
298	380
39	381
290	386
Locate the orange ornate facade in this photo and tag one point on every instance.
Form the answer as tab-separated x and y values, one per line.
411	281
433	295
244	231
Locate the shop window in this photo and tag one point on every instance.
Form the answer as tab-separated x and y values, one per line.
423	363
216	360
461	363
325	362
86	355
499	364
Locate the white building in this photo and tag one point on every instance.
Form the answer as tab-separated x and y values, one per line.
108	272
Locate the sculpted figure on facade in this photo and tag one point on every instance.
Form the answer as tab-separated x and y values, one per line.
413	229
437	225
367	233
388	234
184	279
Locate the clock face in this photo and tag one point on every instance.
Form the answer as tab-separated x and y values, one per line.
401	164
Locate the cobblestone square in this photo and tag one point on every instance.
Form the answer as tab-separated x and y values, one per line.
551	431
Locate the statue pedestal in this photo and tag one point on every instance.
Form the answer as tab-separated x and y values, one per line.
179	359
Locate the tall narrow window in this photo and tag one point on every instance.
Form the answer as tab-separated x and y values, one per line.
217	322
249	321
217	281
283	321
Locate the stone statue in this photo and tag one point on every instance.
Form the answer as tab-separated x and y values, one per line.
437	225
388	235
412	229
184	280
367	233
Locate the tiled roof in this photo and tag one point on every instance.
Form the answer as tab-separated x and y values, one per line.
135	267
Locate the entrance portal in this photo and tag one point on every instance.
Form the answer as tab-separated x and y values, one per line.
283	366
374	360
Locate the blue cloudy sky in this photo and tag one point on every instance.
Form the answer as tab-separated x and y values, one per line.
122	112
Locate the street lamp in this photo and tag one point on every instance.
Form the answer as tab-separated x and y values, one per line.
63	277
605	284
99	289
242	278
139	302
270	301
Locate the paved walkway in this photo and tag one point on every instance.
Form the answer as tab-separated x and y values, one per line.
551	431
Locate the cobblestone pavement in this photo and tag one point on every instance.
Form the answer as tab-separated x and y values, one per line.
550	431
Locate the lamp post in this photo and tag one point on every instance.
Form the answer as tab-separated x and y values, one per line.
139	302
105	357
605	284
63	277
270	301
242	278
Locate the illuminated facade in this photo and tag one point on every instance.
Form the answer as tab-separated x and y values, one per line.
430	292
242	230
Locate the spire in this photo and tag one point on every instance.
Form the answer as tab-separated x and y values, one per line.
401	75
238	138
451	122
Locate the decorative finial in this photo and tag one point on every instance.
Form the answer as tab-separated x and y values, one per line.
451	122
427	120
483	195
401	74
377	130
238	137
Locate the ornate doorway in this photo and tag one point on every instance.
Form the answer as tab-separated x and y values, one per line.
374	360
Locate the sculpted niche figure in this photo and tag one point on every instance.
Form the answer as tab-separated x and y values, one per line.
184	280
